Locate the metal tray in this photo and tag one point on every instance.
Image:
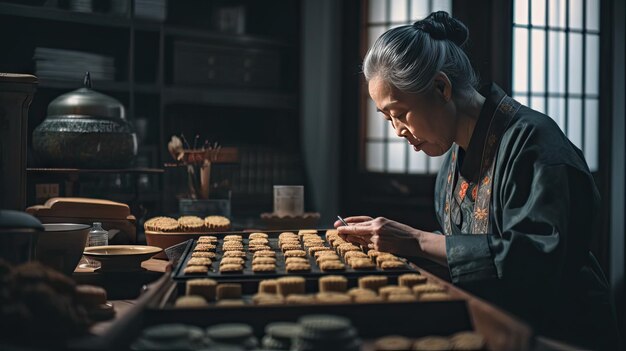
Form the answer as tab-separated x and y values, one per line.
250	279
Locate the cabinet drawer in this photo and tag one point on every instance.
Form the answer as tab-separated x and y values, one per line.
221	66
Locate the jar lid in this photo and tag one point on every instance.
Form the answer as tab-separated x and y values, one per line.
10	219
86	103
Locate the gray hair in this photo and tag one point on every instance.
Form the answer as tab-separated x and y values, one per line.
410	56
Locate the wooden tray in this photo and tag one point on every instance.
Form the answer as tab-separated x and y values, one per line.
371	319
463	312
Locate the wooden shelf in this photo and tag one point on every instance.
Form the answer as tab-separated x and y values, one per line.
141	196
226	155
230	97
103	85
54	14
243	40
138	170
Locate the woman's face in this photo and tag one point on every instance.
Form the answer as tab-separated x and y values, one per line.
427	121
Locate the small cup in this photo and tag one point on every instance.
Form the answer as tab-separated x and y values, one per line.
288	200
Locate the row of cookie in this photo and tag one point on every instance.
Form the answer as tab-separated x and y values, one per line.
357	259
411	287
263	261
202	256
205	251
232	246
233	261
201	292
291	244
187	224
465	340
292	290
325	257
256	242
295	248
354	255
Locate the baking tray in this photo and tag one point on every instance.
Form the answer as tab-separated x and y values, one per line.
371	319
250	279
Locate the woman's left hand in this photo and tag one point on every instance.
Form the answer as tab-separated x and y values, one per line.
386	235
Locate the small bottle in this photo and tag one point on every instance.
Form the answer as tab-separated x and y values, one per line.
97	237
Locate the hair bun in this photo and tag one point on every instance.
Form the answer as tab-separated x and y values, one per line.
441	26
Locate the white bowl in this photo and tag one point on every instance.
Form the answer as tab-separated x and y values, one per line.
121	258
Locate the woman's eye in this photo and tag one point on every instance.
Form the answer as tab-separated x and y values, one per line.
399	116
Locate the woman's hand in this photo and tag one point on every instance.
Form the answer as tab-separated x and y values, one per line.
361	239
385	235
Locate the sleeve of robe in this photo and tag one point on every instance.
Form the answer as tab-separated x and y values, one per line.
543	205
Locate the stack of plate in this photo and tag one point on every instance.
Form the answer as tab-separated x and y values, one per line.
72	65
326	332
81	5
151	9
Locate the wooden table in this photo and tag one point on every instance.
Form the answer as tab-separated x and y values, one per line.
501	330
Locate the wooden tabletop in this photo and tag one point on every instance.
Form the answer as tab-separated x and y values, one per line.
502	331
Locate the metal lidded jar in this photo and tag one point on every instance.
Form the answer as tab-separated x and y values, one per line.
85	129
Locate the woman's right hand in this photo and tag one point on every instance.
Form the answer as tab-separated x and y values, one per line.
390	236
355	239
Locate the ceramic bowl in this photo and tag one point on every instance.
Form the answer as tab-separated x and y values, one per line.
61	245
121	258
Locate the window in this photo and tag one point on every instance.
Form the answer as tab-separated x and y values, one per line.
556	65
384	151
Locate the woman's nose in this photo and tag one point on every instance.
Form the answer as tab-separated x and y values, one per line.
401	131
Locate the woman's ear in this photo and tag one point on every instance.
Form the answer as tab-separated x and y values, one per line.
443	86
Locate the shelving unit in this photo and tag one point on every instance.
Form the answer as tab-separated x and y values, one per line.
230	97
255	118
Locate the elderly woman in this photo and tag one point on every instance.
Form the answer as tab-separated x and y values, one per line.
515	199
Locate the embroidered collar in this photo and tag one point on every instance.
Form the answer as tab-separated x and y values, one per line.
469	160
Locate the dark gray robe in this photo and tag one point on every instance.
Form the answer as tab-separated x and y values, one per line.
534	259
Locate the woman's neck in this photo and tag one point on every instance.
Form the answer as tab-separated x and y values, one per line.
468	111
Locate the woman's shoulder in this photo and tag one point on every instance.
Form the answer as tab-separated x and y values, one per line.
538	135
529	120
